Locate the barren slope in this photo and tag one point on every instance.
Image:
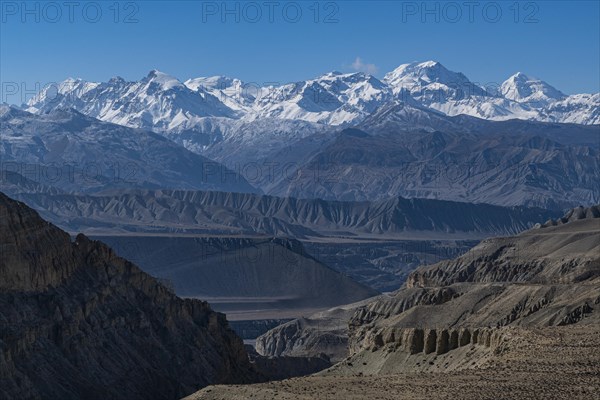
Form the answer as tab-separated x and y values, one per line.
77	321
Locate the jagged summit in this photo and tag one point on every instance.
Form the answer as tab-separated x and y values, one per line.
166	81
333	99
523	88
116	79
576	214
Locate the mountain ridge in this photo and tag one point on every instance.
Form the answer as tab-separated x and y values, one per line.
332	98
239	213
81	322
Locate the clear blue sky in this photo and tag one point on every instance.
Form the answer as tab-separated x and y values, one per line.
557	41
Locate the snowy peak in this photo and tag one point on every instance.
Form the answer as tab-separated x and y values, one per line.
524	89
422	79
165	104
520	97
55	93
158	101
165	81
213	82
420	74
232	92
333	99
428	71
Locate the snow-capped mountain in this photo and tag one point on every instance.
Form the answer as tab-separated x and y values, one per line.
158	102
331	99
230	91
551	103
523	89
452	93
74	152
576	109
431	81
164	104
519	97
281	139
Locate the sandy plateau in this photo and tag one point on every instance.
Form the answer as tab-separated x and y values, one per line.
546	363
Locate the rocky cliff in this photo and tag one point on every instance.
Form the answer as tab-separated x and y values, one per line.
547	276
325	332
77	321
561	251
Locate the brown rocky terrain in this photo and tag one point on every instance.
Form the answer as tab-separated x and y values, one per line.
540	363
562	251
325	332
516	317
79	322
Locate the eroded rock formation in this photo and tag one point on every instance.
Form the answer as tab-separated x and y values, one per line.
76	322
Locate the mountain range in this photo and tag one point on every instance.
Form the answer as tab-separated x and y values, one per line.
421	131
221	213
227	119
401	149
77	153
165	104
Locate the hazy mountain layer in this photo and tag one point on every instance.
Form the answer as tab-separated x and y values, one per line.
242	275
237	213
77	153
503	166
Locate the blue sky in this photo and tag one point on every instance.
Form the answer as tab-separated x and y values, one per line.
45	42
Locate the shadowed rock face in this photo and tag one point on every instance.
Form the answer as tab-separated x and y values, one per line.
79	322
235	273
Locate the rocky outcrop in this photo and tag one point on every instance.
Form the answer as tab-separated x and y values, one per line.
562	251
307	338
388	306
277	368
327	332
552	280
575	214
77	321
547	276
323	333
576	315
427	341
